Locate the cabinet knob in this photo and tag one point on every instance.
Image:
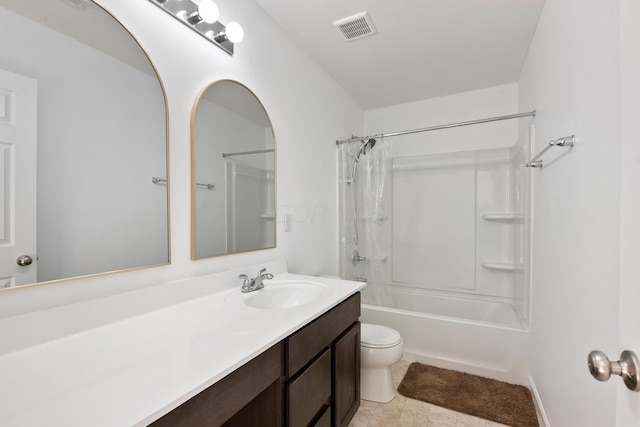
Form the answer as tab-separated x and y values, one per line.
628	367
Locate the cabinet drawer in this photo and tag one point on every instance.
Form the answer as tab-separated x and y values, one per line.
305	344
324	420
310	392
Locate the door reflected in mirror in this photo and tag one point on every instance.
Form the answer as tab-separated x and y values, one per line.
233	173
82	133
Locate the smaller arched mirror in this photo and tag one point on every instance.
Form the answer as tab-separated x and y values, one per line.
232	172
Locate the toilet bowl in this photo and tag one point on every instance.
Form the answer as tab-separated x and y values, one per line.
380	347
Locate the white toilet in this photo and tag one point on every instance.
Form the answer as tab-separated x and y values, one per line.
380	348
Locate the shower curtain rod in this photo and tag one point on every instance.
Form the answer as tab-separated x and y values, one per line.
450	125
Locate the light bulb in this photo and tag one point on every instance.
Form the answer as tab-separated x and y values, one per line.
207	10
234	32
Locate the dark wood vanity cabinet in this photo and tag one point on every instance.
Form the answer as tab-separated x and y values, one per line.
311	378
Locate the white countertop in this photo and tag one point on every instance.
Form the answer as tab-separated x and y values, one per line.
134	370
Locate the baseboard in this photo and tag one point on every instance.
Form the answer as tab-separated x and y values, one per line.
542	416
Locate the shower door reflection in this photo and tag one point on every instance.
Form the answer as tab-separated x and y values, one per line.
250	211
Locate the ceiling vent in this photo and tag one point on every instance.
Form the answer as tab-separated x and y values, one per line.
356	26
79	4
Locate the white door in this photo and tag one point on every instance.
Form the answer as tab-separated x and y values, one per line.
18	112
628	403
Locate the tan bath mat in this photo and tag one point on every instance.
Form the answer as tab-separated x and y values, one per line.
470	394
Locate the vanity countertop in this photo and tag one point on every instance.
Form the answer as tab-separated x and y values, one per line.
134	370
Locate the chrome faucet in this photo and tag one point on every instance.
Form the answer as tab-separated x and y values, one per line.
250	285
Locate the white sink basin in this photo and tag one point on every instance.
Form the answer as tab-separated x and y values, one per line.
278	294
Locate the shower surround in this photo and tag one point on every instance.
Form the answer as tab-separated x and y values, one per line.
442	241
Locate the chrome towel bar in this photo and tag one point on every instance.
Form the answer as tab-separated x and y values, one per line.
565	141
162	180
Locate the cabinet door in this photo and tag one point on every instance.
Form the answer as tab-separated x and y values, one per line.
346	376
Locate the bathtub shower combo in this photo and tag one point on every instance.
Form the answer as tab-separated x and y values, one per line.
437	224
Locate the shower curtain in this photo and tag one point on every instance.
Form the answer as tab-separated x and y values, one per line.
365	217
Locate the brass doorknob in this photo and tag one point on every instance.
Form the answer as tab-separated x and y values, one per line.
628	367
24	260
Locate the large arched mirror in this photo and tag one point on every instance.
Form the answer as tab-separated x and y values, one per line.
82	133
233	172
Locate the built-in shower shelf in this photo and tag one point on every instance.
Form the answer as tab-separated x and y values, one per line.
503	217
503	266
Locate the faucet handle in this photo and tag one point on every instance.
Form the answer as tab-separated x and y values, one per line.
264	270
245	278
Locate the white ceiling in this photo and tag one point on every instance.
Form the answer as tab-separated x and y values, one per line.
423	48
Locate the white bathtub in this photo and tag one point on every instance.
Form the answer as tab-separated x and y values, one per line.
479	337
447	305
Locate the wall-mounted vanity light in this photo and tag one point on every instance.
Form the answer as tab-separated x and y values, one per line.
202	17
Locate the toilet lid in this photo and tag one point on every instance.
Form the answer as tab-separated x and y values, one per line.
378	336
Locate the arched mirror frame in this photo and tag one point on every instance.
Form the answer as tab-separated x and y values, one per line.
195	183
166	180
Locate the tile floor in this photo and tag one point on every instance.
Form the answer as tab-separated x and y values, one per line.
406	412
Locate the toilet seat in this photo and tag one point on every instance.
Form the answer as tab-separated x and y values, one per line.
378	336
